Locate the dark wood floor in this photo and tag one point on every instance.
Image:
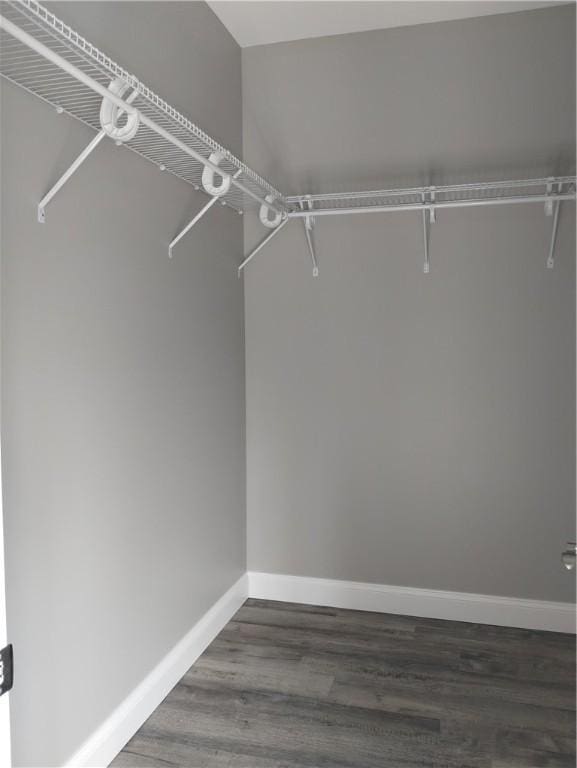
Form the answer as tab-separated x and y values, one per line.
290	686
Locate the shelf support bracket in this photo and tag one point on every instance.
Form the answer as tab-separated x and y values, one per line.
67	174
262	244
309	224
429	218
86	152
549	203
553	208
554	229
196	218
308	233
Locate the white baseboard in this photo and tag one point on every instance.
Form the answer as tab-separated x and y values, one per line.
428	603
111	736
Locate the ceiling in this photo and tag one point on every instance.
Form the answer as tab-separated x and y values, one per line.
275	21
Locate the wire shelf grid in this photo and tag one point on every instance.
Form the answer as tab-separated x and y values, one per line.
31	71
46	57
433	195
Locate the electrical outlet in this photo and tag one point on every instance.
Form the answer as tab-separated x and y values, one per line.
6	669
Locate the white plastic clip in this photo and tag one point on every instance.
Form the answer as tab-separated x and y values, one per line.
110	114
264	214
208	177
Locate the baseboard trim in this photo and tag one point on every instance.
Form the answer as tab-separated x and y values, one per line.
111	736
427	603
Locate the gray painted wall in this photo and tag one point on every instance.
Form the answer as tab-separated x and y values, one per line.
401	428
123	386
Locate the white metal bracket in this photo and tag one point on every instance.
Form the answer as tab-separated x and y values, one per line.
262	244
549	203
429	217
554	229
432	209
309	224
67	174
196	218
553	208
75	165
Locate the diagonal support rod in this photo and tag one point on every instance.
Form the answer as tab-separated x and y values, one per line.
196	218
262	245
309	224
429	218
308	233
426	232
75	166
554	229
67	174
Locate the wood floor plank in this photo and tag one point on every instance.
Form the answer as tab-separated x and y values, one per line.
294	686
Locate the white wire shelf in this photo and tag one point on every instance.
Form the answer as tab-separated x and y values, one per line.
417	198
30	69
43	55
551	192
